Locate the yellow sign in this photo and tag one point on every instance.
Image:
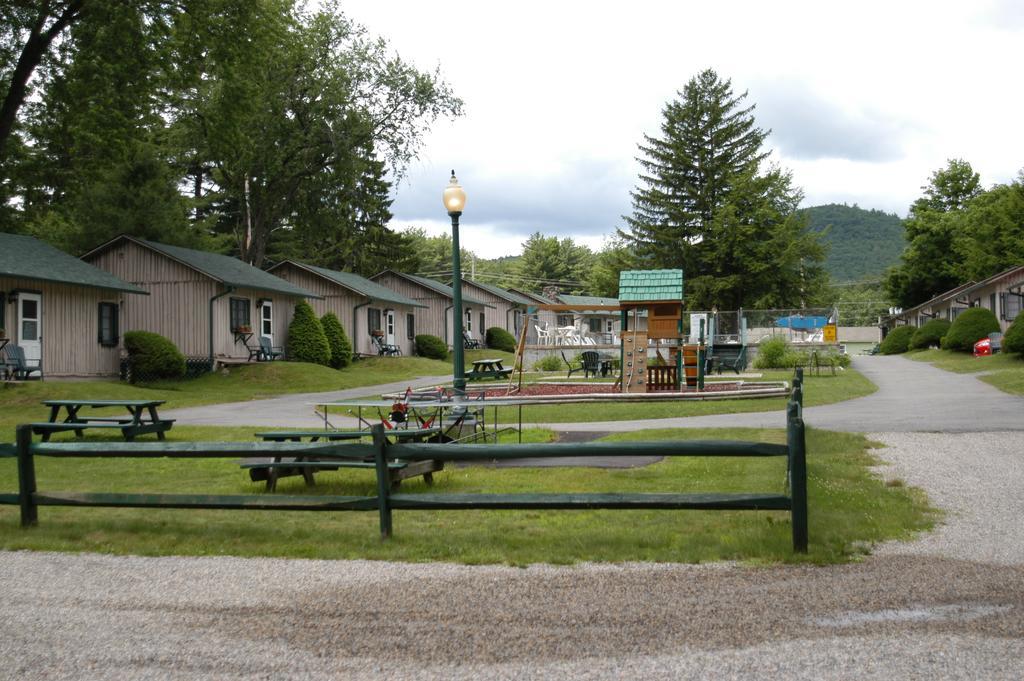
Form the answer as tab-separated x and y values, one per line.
830	333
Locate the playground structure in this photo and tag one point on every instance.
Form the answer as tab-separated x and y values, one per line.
658	351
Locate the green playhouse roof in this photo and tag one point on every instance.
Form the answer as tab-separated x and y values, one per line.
643	286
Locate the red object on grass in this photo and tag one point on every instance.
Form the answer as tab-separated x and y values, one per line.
983	348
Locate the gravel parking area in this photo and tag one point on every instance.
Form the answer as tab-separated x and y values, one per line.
106	617
977	478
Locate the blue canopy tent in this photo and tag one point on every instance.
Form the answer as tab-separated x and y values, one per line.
801	323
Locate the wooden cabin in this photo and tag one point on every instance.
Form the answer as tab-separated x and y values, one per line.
61	310
602	325
436	297
362	306
508	311
1003	293
545	319
207	304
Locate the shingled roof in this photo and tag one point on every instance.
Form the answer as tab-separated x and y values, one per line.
587	300
27	257
646	286
354	282
223	268
511	297
438	287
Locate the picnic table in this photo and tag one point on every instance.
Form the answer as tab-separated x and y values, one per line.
487	368
142	418
279	467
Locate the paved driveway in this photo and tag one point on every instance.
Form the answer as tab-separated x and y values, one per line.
289	411
911	397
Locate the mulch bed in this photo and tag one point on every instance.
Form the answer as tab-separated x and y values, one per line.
550	389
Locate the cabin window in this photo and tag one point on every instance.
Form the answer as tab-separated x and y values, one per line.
482	325
373	320
469	321
564	320
1011	304
410	326
594	324
108	331
240	319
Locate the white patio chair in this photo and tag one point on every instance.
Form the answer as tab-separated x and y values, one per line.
543	335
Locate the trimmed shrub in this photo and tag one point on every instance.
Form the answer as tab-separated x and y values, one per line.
431	346
549	363
970	327
154	356
771	354
341	347
306	339
929	335
897	341
1013	340
500	339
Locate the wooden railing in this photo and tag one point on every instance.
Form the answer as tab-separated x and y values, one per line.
29	498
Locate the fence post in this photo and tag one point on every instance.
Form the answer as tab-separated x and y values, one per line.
702	354
383	479
798	387
26	477
797	475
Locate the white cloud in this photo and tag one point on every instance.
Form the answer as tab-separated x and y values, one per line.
866	99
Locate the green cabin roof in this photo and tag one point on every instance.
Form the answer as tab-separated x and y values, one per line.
644	286
354	282
26	257
532	298
438	287
223	268
511	297
587	300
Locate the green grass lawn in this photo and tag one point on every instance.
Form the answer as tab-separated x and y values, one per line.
850	508
1005	371
21	401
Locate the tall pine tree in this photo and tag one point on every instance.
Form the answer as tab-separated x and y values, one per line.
704	204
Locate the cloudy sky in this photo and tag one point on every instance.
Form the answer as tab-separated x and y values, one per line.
864	100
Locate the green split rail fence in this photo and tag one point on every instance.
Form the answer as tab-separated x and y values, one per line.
381	453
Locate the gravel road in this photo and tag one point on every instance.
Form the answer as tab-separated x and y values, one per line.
949	605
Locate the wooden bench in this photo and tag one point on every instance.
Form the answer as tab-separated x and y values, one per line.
273	469
129	429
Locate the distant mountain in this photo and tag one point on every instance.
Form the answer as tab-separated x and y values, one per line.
862	243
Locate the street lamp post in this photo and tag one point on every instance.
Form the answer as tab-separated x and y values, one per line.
454	202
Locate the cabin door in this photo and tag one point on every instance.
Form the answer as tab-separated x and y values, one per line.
30	325
389	327
267	320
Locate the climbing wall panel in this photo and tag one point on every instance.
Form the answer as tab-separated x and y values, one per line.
634	362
